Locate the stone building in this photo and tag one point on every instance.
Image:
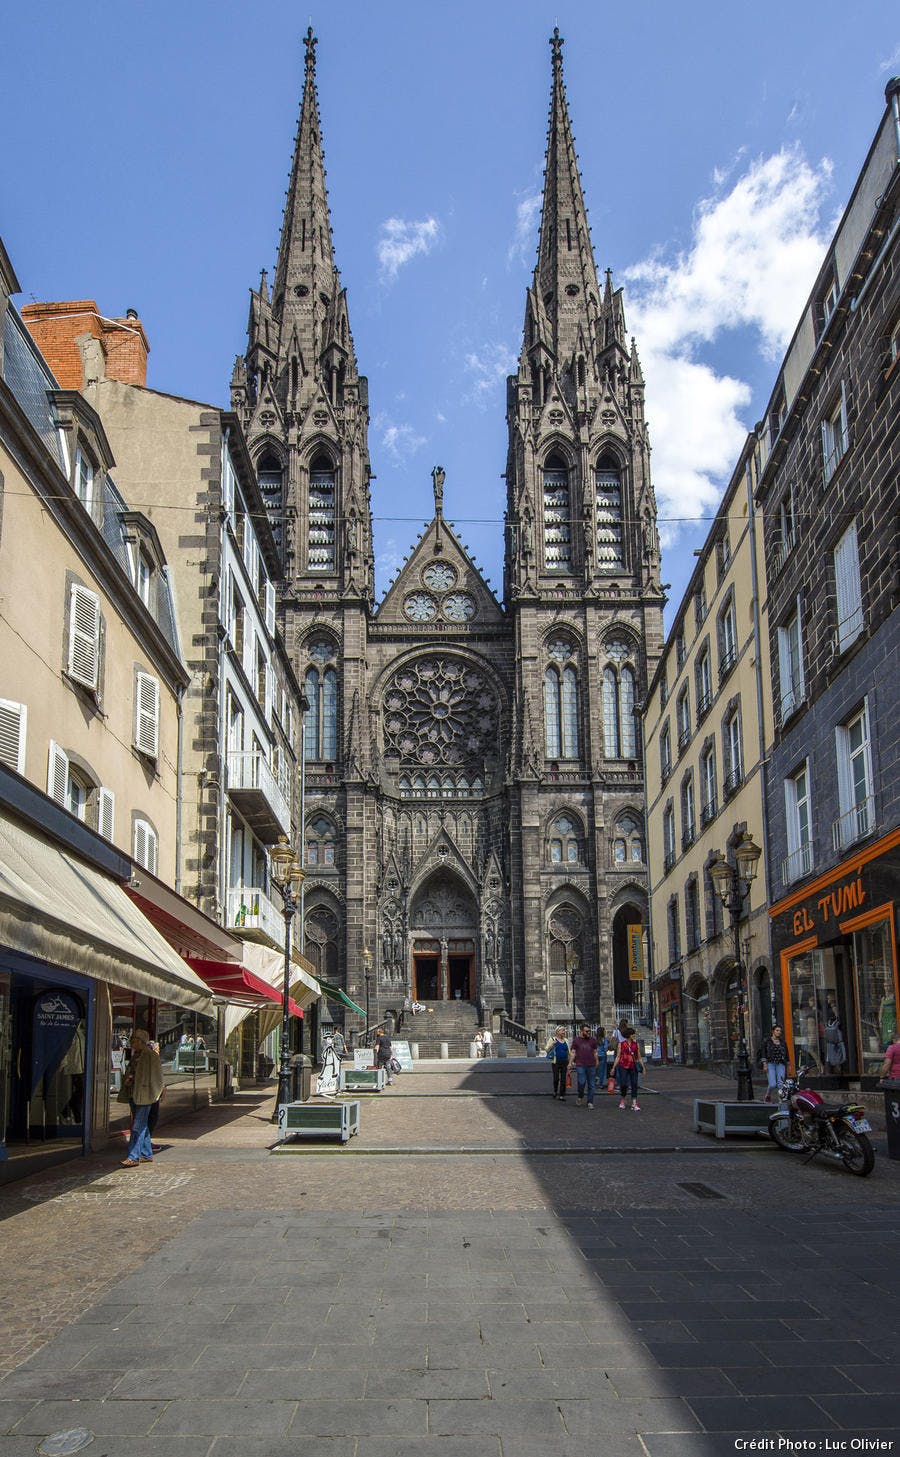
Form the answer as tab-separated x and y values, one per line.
829	494
474	786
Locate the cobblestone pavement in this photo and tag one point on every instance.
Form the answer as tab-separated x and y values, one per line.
536	1279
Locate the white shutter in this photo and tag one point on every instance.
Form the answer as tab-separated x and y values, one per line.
139	846
57	773
848	588
106	813
84	636
152	850
146	714
270	608
13	722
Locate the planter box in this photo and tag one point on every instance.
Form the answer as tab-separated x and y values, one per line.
361	1079
724	1119
318	1120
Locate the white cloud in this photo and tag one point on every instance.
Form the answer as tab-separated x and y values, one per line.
388	561
753	257
524	240
401	440
892	62
402	240
489	366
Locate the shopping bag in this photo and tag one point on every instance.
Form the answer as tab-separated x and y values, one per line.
569	1078
611	1085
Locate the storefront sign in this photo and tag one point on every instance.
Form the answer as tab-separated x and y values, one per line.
403	1055
824	910
57	1015
635	952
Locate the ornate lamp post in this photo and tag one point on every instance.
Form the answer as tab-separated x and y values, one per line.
287	876
367	963
732	885
574	961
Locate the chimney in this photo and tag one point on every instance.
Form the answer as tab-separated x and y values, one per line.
64	333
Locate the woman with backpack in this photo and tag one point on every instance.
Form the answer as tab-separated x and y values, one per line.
557	1051
626	1068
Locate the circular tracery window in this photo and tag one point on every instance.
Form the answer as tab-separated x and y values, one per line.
440	711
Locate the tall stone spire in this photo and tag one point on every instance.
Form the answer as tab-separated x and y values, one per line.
565	289
305	253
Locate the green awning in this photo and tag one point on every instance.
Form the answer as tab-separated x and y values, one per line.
337	995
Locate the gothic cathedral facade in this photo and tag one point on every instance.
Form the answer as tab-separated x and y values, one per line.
473	796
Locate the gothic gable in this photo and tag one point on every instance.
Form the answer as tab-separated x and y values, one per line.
439	585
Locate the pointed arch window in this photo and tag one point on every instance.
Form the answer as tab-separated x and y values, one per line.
557	517
561	703
320	840
564	844
628	846
610	552
271	479
322	485
321	686
619	697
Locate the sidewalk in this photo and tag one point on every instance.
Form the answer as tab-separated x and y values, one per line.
539	1277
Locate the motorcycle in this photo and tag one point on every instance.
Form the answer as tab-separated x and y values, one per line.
806	1124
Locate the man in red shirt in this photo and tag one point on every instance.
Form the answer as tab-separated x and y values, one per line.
584	1056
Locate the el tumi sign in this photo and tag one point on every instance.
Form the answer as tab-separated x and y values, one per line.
816	915
817	911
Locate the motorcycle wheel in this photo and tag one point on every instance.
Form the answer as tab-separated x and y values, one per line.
781	1132
857	1152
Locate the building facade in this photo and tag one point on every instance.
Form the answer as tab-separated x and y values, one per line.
829	493
474	804
706	724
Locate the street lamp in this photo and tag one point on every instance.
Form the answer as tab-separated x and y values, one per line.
574	961
287	876
367	962
732	884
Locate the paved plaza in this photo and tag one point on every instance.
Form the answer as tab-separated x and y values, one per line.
481	1272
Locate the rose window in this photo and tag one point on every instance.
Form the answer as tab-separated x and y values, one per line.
441	712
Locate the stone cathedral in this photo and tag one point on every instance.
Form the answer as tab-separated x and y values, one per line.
474	829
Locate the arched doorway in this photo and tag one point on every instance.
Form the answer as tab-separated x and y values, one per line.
625	990
443	926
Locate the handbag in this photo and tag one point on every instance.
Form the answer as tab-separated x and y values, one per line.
125	1090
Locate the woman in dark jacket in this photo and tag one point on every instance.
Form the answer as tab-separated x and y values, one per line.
774	1060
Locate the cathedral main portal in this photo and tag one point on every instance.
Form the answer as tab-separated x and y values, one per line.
443	935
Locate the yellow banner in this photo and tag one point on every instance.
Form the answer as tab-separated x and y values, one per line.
635	952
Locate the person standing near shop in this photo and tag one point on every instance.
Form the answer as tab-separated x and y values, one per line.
384	1051
146	1078
890	1068
774	1061
584	1057
557	1051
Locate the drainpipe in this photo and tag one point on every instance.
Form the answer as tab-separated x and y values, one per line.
761	727
650	968
179	776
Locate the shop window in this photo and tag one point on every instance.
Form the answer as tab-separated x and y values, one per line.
798	810
855	781
873	961
848	589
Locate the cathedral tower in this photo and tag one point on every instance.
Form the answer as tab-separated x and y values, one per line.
583	593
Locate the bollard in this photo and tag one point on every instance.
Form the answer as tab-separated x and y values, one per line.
473	1050
531	1048
445	1049
414	1051
501	1046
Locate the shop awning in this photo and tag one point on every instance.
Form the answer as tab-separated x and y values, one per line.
337	995
241	985
55	907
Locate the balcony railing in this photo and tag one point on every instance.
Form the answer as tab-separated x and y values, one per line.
732	783
784	550
708	812
727	661
258	796
684	738
792	700
704	703
687	837
250	910
798	863
856	823
668	860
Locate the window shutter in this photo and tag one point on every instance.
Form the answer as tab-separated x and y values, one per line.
84	636
57	773
152	850
106	813
270	608
146	714
845	781
13	722
848	589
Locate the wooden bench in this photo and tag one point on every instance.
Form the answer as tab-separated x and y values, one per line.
318	1120
712	1115
361	1079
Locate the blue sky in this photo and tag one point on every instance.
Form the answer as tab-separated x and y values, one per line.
147	148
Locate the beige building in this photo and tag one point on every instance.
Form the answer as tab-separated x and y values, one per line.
707	720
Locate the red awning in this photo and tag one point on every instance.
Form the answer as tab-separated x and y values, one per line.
236	984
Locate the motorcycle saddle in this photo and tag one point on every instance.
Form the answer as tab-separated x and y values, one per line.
827	1110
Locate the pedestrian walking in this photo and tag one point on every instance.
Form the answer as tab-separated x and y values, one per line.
774	1061
620	1031
602	1050
145	1084
488	1042
626	1068
384	1051
890	1068
584	1057
558	1051
479	1044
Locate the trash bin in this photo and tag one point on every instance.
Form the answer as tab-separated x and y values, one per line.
891	1089
301	1077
